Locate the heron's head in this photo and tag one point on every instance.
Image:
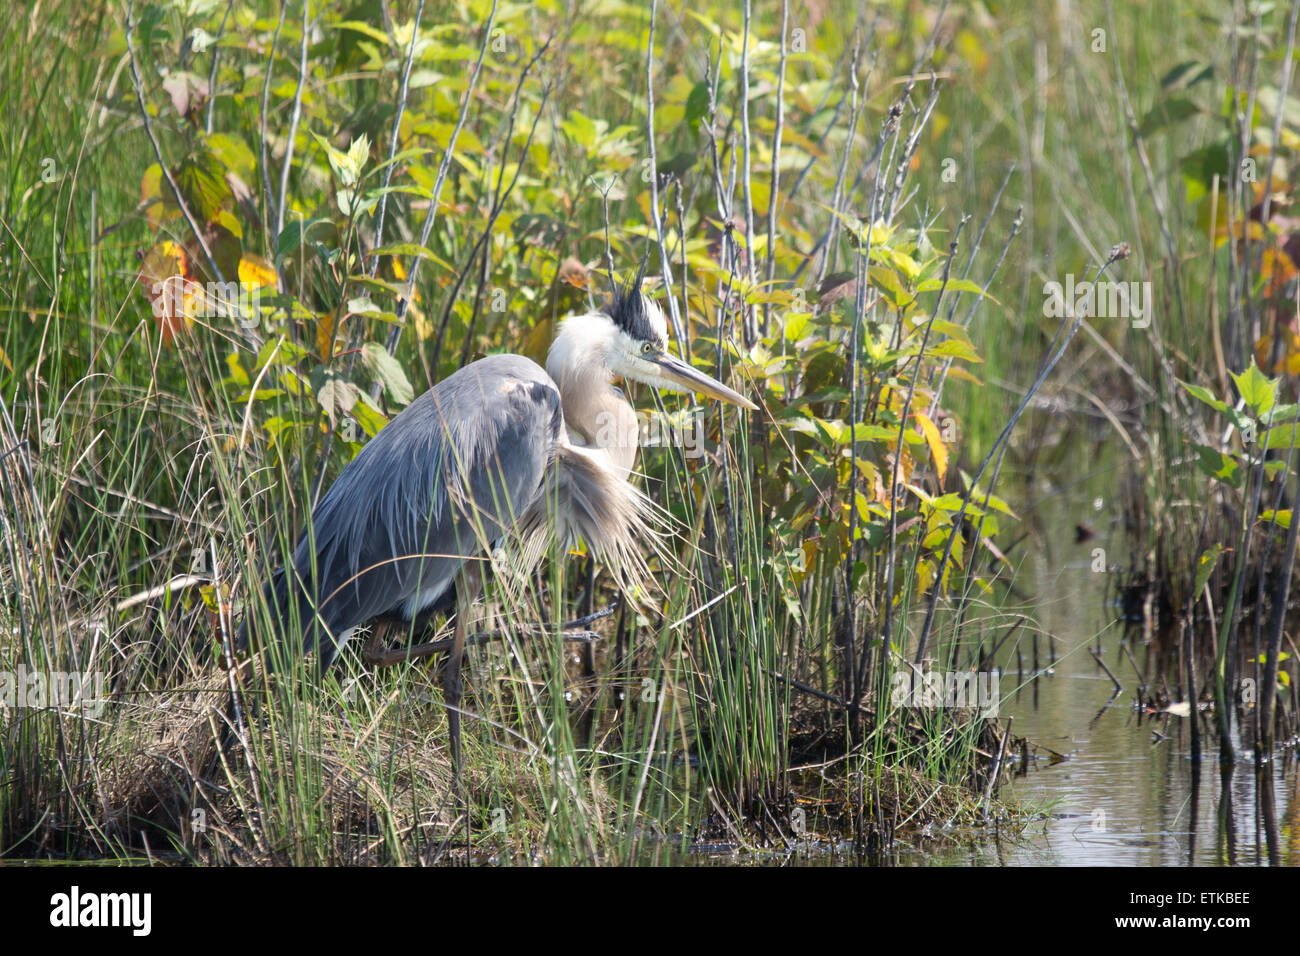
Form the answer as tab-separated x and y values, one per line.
629	338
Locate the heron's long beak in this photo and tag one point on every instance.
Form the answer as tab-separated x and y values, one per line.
693	380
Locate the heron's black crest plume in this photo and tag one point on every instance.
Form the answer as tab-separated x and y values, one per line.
629	312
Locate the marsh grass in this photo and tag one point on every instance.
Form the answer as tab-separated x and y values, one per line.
151	482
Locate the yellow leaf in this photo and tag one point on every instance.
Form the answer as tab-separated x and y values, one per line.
325	335
956	371
256	272
938	451
924	576
810	546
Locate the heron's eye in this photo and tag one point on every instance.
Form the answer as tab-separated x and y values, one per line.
647	348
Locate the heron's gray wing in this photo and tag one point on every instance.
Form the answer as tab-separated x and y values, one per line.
439	484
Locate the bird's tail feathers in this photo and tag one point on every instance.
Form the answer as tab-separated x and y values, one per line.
291	629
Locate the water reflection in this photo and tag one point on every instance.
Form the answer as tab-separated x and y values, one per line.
1128	794
1113	785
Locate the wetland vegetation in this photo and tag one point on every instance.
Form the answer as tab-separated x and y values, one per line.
1015	292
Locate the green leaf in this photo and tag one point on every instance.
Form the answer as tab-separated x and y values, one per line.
226	219
1283	436
280	352
295	234
955	348
795	325
886	280
237	374
903	263
368	417
1257	390
1200	167
388	373
1205	567
951	329
397	289
697	104
413	249
1206	396
337	396
954	285
1218	465
953	502
1285	413
580	129
361	27
993	501
1186	74
203	186
875	532
1166	114
233	153
1281	518
865	432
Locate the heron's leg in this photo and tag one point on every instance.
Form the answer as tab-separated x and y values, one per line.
372	652
588	593
471	581
377	653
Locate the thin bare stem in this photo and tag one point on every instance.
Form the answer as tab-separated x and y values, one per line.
404	303
293	127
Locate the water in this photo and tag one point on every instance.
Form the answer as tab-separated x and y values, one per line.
1109	784
1127	793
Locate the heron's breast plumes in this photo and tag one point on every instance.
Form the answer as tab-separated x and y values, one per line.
584	498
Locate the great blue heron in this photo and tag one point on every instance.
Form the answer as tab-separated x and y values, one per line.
499	450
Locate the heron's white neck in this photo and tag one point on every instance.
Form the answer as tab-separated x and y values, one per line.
595	412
